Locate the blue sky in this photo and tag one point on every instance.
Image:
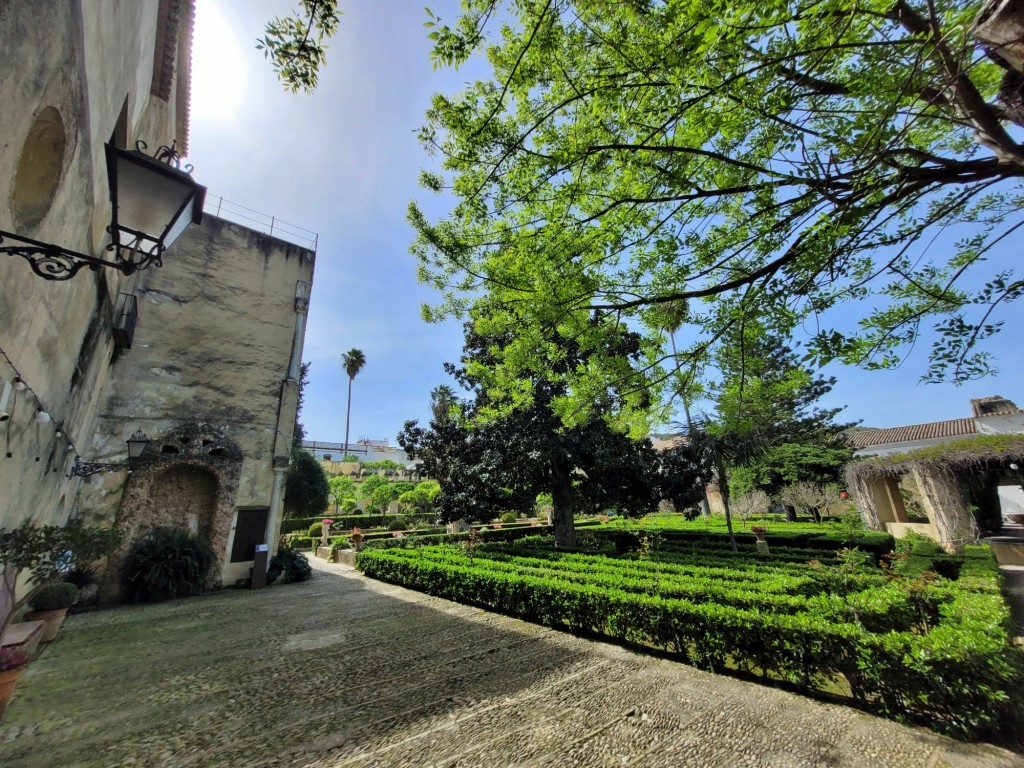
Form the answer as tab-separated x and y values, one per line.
344	162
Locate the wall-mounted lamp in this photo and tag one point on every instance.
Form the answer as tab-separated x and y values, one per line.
136	445
42	417
153	201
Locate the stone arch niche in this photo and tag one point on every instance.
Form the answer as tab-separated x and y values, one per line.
185	479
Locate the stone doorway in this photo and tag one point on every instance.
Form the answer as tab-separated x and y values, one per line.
185	497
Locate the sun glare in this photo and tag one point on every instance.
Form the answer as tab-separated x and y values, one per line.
218	74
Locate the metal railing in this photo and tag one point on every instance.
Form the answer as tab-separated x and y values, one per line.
260	222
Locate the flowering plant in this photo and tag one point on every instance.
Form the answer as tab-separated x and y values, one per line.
11	659
356	538
758	529
327	521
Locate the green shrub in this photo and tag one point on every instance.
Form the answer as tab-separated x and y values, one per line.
917	544
933	651
316	530
349	505
508	517
53	597
167	563
397	525
290	566
302	542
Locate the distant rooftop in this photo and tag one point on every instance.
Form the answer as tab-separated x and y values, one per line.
996	405
260	222
951	428
981	408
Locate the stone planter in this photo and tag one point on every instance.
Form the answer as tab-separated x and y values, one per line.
8	680
52	621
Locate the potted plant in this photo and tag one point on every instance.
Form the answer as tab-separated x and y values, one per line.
50	604
45	553
12	664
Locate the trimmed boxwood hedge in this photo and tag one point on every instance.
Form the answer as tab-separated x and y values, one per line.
925	650
348	522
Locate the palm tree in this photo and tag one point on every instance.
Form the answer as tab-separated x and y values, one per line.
353	362
717	449
675	314
441	400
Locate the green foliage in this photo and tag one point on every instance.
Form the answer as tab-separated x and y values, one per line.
508	517
305	486
373	466
397	525
940	657
349	505
46	553
295	45
165	564
382	496
290	566
772	162
340	488
370	484
316	530
303	542
53	597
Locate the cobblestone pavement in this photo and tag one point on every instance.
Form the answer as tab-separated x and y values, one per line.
344	671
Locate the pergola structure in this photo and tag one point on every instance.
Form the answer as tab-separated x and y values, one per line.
958	484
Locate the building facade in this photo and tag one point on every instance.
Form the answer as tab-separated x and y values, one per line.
202	354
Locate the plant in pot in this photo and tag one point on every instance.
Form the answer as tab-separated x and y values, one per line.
12	664
45	552
50	604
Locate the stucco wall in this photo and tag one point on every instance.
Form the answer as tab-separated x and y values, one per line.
80	61
213	344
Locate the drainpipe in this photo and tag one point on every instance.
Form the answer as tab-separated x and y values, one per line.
276	502
301	308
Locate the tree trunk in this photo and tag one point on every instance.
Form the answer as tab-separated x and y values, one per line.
790	511
705	507
561	501
348	414
723	487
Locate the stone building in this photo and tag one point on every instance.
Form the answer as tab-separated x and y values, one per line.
201	354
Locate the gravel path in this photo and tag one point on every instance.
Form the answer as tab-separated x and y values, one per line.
345	671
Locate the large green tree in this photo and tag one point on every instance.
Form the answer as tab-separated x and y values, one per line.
498	454
764	388
306	490
768	160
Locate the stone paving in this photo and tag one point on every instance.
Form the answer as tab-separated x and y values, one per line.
345	671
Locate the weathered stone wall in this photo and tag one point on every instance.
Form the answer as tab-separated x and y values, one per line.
213	345
69	68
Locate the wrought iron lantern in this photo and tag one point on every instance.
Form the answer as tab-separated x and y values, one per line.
153	200
136	446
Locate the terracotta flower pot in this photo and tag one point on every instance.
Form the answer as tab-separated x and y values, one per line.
53	621
8	679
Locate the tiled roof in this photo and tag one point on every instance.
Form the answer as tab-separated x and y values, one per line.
866	438
174	42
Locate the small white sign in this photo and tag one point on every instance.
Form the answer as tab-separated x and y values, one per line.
262	547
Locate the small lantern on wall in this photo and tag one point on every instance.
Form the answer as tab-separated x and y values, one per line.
136	446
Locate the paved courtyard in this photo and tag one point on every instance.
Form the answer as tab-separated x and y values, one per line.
344	671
